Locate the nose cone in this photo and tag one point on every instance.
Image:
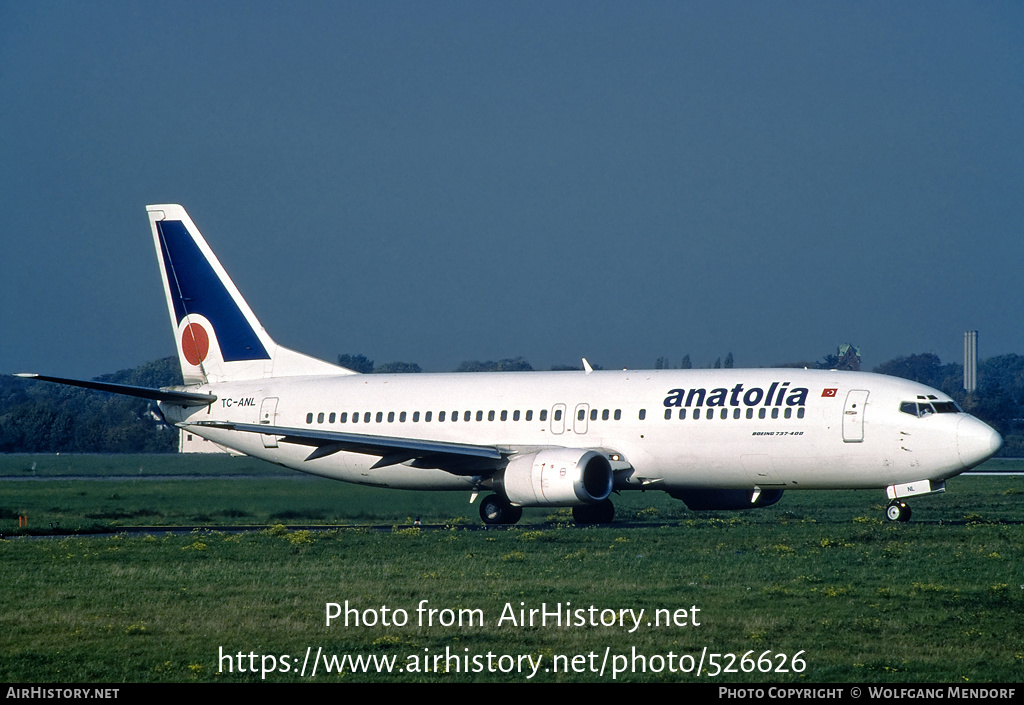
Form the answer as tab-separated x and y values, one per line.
976	441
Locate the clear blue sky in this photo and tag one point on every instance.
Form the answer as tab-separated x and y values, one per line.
440	181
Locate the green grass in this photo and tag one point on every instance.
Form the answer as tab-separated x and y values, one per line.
862	601
199	490
936	600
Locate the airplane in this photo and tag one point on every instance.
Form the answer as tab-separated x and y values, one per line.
715	439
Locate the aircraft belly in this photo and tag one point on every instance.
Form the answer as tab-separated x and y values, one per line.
805	460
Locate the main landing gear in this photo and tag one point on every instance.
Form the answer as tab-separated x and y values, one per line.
599	513
897	511
495	509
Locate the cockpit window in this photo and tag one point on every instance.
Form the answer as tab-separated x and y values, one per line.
922	409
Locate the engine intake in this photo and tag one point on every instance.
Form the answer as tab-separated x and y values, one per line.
557	478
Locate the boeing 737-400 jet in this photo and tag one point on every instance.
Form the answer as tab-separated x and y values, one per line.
715	439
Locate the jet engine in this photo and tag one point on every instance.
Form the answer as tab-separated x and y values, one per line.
557	478
727	499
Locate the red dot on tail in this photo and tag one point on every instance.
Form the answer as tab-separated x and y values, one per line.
195	343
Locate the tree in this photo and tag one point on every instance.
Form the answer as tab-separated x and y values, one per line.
356	363
925	368
506	365
573	368
728	364
828	362
397	368
44	418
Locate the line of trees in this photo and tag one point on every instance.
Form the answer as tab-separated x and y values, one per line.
38	417
663	363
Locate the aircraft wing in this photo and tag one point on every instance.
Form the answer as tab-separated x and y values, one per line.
457	458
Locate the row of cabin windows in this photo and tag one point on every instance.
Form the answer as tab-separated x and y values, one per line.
581	414
762	412
428	416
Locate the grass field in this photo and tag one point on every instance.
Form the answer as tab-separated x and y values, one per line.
819	577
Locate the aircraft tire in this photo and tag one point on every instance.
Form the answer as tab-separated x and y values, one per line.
495	509
897	511
602	512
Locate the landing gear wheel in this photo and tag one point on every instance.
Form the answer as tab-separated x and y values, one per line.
897	511
599	513
495	509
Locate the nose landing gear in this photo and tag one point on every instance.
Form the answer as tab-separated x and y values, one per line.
897	511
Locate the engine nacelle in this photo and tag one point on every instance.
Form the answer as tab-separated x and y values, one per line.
726	499
557	478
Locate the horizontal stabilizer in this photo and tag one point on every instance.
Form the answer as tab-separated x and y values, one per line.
168	395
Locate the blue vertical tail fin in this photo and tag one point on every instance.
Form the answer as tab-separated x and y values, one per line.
219	338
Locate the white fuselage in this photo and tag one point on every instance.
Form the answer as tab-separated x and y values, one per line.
663	429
